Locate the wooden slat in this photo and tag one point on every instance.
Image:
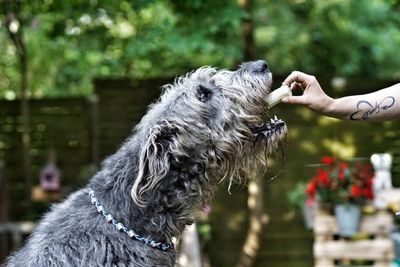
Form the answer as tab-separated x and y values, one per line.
378	223
377	249
380	250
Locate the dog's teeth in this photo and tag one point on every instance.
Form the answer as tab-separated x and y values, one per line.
275	117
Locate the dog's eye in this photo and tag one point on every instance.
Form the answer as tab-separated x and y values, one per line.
203	93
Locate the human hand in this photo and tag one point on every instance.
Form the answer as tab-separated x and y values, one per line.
313	96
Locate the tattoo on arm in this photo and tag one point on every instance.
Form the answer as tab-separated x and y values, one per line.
365	109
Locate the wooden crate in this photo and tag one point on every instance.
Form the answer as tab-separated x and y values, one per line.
379	248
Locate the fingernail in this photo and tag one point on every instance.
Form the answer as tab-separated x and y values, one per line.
285	100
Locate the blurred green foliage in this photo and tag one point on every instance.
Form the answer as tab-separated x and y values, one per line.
70	42
297	196
332	37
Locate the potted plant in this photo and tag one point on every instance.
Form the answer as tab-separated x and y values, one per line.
394	208
300	201
346	187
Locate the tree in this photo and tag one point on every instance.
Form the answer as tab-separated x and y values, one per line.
255	187
137	39
72	41
248	30
329	38
14	26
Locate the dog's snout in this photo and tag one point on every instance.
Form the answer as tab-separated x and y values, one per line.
260	66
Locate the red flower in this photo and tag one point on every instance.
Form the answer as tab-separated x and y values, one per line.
341	175
310	202
328	160
355	191
311	189
367	192
339	181
323	177
343	166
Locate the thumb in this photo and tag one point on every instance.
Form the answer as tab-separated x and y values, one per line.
298	100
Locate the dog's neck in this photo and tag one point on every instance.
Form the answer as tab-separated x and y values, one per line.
174	206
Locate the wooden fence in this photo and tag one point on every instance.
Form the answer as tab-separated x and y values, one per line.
59	124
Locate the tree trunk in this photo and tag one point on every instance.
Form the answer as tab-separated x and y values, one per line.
15	33
249	50
257	219
3	213
94	129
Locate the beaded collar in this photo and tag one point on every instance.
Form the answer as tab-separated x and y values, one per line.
122	228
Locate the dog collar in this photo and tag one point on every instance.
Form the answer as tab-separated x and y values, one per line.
122	228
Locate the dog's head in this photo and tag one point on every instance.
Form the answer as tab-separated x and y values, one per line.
210	123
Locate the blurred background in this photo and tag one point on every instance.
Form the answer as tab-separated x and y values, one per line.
76	76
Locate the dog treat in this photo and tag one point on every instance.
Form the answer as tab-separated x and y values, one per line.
276	96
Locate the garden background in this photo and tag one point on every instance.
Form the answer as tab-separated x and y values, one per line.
75	77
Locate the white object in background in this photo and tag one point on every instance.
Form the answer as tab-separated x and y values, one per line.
190	255
382	164
275	97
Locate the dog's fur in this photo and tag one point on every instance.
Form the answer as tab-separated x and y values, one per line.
201	131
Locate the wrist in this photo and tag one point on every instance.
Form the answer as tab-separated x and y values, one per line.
329	106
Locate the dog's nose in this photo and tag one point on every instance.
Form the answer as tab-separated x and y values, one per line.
260	66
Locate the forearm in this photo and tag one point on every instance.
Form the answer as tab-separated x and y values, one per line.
377	106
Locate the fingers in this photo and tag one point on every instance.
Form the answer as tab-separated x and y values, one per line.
299	100
296	86
299	78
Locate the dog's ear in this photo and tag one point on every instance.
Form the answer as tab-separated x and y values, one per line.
154	159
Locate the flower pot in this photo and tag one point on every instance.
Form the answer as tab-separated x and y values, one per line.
348	218
309	214
395	236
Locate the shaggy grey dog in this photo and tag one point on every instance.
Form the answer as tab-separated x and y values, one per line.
207	126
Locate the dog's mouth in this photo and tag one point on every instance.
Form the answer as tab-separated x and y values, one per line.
268	129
